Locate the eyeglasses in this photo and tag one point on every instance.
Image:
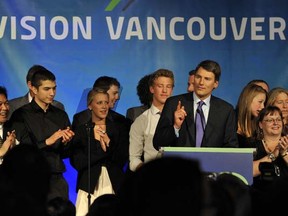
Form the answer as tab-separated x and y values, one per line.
270	121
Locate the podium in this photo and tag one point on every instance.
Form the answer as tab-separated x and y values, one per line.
237	161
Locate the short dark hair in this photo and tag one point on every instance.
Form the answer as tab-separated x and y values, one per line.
3	91
42	75
192	72
265	112
257	81
105	82
211	66
32	70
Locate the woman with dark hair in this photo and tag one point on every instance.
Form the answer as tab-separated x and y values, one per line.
271	157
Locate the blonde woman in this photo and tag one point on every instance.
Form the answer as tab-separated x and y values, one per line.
99	152
279	97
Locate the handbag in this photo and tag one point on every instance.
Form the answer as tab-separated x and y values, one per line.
269	171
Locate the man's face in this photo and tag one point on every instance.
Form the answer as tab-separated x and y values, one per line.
162	89
204	83
46	92
4	109
114	95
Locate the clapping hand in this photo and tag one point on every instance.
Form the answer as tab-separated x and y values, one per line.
66	135
8	143
104	139
283	145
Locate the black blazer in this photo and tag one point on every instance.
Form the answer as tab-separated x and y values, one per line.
220	129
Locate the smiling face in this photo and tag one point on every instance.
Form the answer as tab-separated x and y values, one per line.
99	106
272	124
4	109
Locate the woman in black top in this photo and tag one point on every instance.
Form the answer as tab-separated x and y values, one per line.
107	142
271	157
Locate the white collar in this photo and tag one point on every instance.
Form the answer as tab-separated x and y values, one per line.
154	110
196	99
29	97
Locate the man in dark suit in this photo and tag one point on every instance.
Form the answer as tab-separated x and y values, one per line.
176	126
27	98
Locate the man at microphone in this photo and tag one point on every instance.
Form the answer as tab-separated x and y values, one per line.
198	119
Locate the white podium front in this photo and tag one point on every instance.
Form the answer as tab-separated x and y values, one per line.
238	161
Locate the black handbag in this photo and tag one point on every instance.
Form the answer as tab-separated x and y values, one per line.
269	171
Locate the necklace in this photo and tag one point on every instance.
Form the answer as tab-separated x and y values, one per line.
266	146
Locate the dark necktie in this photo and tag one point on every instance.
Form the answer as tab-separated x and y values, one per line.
200	124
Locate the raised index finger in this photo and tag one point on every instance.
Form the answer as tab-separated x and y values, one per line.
179	105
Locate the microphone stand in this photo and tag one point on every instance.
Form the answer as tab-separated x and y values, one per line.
88	128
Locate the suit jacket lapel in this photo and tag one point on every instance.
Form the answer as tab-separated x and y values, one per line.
212	117
189	120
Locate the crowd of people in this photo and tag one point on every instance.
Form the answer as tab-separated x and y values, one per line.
118	161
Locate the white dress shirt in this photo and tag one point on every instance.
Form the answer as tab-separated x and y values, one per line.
141	137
